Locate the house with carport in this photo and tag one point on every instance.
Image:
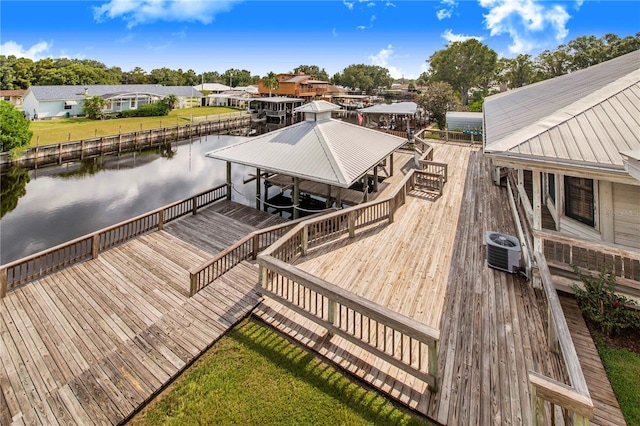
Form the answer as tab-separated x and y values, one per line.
570	149
48	102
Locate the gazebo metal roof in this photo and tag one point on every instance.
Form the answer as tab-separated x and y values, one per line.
400	108
320	149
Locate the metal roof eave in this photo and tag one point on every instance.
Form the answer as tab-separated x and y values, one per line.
577	168
279	171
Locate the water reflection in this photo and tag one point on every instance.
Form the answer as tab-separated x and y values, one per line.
68	201
13	185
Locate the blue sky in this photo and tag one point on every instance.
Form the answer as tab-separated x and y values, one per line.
264	36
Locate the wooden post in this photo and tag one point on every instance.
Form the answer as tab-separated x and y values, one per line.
255	246
391	164
375	178
537	407
4	279
331	314
193	281
365	186
305	240
537	209
160	220
351	221
433	363
258	189
328	202
194	205
229	180
391	209
60	152
95	246
339	198
554	343
296	197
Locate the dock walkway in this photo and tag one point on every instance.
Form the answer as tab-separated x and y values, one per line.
91	343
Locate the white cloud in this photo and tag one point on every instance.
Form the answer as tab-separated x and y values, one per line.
136	12
451	37
349	4
364	27
447	11
35	52
389	4
382	59
526	22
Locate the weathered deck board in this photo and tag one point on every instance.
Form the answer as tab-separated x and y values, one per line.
430	265
91	343
605	405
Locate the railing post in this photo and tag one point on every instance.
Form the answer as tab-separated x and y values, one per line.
95	245
255	242
193	280
194	205
160	220
3	282
552	334
352	224
433	363
391	209
331	315
537	407
305	240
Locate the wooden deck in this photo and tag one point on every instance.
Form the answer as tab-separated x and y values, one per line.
491	322
90	344
605	405
93	342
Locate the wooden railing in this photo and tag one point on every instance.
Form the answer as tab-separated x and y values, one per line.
246	248
449	136
90	246
425	161
114	144
573	398
401	341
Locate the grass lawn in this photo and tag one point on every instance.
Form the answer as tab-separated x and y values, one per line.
65	129
623	370
253	376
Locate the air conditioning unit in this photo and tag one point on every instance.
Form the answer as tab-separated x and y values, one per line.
503	252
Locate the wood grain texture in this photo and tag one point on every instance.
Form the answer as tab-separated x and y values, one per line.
91	343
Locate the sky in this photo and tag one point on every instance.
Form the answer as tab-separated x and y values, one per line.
278	36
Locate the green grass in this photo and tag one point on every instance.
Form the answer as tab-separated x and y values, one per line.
253	376
623	370
64	129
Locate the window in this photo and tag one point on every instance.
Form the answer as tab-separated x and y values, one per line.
133	103
578	199
67	106
118	104
108	106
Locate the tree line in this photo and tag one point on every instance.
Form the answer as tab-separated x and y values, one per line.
464	65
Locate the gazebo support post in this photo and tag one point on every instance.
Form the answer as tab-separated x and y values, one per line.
296	197
375	178
365	186
229	180
391	164
328	203
339	198
258	189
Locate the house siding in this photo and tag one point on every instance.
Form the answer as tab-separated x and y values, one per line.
626	214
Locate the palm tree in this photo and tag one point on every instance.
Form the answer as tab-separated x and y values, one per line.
270	81
171	100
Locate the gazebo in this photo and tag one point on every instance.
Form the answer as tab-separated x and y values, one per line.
392	116
319	156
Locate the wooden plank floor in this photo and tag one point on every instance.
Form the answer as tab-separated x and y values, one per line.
605	405
430	265
91	343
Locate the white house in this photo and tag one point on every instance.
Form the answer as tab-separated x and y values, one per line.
67	101
574	143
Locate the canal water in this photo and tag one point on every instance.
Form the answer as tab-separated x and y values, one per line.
50	206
